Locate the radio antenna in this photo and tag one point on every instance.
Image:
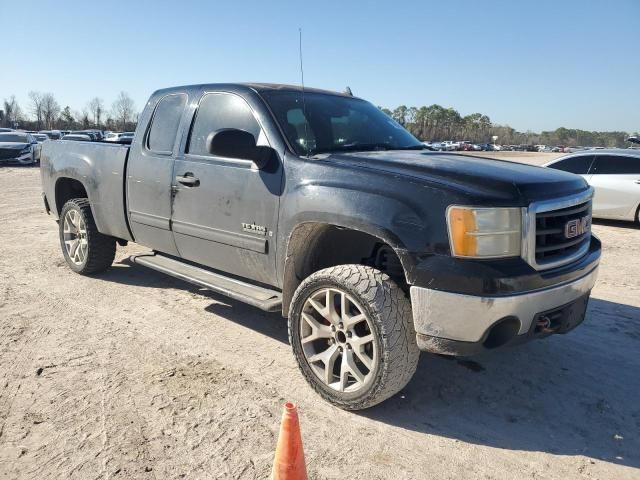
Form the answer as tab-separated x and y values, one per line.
304	104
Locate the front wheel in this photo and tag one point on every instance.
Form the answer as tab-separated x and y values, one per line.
85	249
352	334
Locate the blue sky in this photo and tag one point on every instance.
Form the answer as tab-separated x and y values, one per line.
530	64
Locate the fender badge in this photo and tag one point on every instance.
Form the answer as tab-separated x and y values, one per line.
253	228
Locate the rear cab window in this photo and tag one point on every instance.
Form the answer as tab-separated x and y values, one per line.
164	124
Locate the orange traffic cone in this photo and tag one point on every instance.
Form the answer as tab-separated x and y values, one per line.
289	460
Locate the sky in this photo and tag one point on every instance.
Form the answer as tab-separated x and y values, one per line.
532	64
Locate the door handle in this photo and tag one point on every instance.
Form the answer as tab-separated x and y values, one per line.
188	180
638	182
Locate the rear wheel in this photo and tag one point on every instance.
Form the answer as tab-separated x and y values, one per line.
84	248
352	334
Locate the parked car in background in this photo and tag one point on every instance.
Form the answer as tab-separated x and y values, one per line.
40	138
449	145
52	134
126	137
93	136
96	135
115	136
18	148
78	137
615	176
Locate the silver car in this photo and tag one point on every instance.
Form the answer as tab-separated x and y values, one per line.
615	176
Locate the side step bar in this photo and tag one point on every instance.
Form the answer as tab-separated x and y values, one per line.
263	298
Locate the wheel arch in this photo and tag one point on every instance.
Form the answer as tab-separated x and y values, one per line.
65	189
309	249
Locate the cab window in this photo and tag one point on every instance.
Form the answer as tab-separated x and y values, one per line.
165	122
217	111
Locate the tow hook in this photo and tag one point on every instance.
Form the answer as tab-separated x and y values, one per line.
543	325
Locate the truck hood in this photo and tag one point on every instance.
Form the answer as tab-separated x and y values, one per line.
476	176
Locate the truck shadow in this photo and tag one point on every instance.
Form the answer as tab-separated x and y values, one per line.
574	394
269	324
616	223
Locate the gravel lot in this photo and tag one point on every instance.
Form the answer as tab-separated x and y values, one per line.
135	375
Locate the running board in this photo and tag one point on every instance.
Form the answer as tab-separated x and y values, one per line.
263	298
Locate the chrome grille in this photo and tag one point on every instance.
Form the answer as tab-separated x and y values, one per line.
558	231
551	240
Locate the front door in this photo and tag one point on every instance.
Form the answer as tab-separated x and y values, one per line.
225	210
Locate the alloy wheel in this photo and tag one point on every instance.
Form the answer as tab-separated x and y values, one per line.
75	236
338	341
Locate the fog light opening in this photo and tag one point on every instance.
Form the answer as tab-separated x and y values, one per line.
502	332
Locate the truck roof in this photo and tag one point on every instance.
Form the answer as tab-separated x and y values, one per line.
258	87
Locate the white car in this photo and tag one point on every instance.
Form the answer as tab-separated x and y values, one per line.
112	137
615	176
449	145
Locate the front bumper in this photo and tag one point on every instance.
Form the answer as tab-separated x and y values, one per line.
461	324
24	159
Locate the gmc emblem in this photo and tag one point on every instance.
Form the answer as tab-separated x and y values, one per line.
577	227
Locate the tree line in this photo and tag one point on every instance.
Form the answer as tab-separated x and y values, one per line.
437	123
43	112
426	123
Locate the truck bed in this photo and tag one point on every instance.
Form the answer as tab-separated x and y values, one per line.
101	168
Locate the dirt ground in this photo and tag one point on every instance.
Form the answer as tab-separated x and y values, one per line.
134	375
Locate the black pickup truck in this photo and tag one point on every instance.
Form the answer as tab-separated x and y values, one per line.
318	205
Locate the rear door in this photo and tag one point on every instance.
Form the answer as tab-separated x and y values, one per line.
225	210
150	174
616	180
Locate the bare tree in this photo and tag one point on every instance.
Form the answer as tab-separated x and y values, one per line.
50	109
96	107
123	109
12	112
84	119
36	107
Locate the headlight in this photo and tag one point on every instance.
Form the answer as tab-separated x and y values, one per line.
484	232
25	150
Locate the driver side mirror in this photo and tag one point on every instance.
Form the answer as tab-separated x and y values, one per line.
236	143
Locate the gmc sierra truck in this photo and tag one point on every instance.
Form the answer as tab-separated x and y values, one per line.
318	205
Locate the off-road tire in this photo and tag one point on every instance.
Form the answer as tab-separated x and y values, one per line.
390	311
101	249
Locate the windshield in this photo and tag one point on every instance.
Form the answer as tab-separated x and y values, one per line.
332	123
12	137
